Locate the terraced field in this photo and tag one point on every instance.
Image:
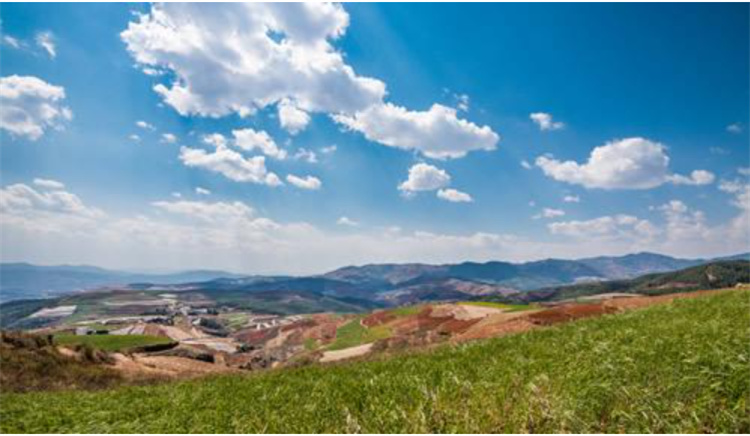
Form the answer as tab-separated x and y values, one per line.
681	366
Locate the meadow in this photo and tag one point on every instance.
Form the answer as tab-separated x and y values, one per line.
682	367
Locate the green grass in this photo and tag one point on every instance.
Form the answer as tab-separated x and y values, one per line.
110	342
354	333
506	307
311	344
406	310
673	368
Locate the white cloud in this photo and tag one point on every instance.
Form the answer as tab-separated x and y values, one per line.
215	139
134	138
526	164
735	128
218	212
49	184
346	221
249	140
230	164
202	191
463	102
168	138
718	151
454	196
685	226
572	199
425	177
745	171
549	213
436	133
545	122
309	182
329	150
306	155
292	118
46	41
43	226
144	125
631	163
20	200
239	57
176	195
11	41
606	227
696	178
29	106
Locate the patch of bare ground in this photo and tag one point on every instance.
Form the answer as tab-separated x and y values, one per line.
346	353
138	367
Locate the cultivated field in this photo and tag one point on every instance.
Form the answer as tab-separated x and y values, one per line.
110	342
681	366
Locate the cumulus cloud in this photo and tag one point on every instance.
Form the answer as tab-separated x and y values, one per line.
425	177
437	133
202	191
545	121
454	196
631	163
549	213
682	223
292	118
215	139
249	140
230	164
49	184
525	164
46	41
238	58
309	182
306	155
134	138
144	125
572	199
696	178
20	200
29	106
168	138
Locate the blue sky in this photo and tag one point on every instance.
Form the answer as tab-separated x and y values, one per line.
661	91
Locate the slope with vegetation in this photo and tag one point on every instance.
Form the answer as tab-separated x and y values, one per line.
713	275
677	367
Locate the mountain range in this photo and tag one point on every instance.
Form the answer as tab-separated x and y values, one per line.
382	284
24	280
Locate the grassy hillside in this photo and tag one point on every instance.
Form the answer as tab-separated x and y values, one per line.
714	275
679	367
31	363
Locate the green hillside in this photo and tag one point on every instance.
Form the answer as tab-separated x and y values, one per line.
682	367
715	275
